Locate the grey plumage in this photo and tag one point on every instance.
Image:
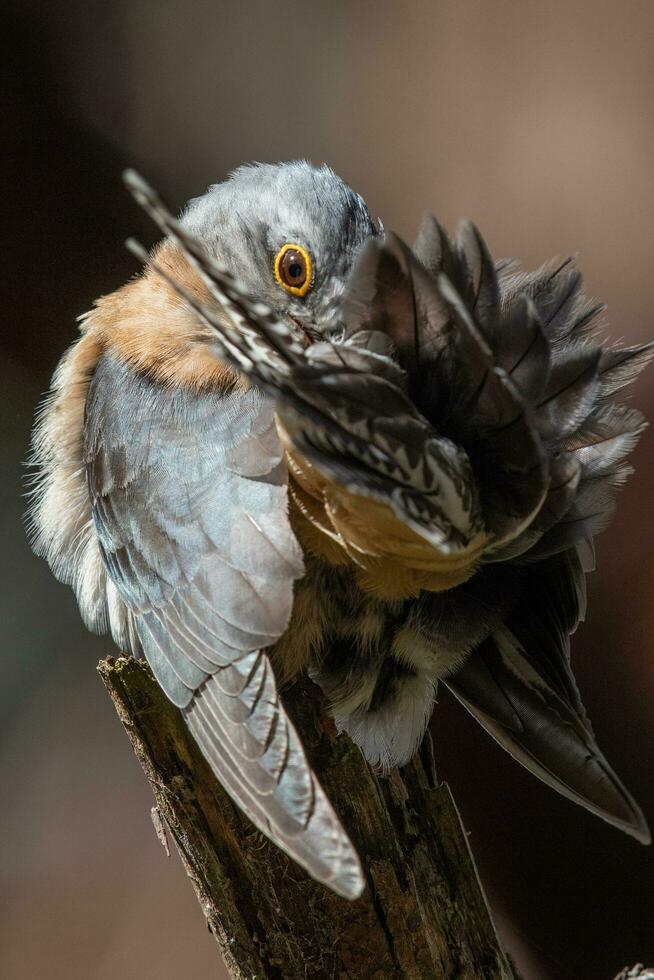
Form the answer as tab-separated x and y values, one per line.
188	503
448	433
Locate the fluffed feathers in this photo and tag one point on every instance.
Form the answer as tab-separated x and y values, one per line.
495	441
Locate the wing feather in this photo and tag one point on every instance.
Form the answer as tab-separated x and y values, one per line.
191	518
319	844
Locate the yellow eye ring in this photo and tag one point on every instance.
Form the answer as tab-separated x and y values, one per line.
293	269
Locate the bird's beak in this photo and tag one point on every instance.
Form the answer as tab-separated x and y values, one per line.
305	331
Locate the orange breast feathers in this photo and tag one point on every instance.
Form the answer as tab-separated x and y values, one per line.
392	561
149	326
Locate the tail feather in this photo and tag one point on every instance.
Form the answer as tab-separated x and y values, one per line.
520	687
540	731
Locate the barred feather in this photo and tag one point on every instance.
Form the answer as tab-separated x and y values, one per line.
443	452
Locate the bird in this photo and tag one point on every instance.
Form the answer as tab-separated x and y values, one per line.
293	444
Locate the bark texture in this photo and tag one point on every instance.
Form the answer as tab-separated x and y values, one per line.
423	915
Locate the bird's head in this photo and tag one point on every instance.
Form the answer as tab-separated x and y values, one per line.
289	232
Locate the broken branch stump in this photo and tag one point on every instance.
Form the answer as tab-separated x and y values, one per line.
423	915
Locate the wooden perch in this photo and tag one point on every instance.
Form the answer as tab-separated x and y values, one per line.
423	915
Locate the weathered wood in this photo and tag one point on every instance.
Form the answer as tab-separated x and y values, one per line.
423	915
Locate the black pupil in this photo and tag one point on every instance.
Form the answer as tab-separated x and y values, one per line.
294	269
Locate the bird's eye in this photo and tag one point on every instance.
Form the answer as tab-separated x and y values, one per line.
293	269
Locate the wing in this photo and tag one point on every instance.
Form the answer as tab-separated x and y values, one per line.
519	686
189	503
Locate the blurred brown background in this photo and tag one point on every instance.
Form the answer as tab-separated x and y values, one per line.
534	119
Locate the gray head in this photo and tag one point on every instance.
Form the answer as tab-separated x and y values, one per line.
288	231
